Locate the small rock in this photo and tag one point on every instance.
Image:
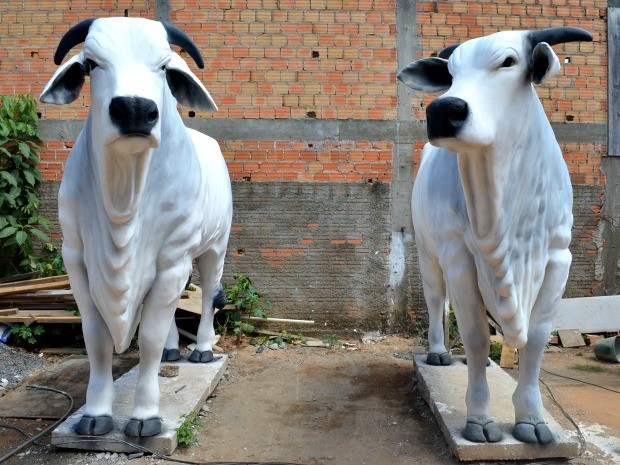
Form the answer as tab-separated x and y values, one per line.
205	408
273	346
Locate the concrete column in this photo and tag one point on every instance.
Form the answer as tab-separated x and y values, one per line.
162	10
401	235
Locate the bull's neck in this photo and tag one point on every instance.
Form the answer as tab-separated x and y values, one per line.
495	180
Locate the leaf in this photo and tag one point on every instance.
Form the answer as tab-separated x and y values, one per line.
21	237
9	178
24	149
8	231
29	177
40	234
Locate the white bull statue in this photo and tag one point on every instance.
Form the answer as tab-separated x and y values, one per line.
492	211
141	197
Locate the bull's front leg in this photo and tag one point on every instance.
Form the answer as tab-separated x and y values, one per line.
97	417
530	426
461	278
157	316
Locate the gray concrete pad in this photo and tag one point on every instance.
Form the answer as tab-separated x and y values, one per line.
444	387
180	395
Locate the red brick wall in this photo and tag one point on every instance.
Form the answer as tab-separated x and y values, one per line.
324	59
578	93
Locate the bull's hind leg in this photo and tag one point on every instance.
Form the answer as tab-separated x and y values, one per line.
530	426
210	266
461	278
171	351
435	296
157	316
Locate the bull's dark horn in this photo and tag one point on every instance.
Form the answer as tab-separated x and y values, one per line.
74	36
177	37
560	35
446	52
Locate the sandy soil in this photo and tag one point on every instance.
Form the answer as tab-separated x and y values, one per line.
357	405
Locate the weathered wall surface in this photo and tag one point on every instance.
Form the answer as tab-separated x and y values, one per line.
322	143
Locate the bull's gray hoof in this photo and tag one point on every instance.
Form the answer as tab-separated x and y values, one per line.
201	357
532	433
219	299
487	364
94	426
443	359
143	428
482	431
170	355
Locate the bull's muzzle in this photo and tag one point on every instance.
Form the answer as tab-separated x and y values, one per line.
134	115
445	117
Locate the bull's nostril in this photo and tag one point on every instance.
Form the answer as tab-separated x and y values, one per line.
116	112
152	116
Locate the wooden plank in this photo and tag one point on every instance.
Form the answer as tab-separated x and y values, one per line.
588	314
28	317
64	351
8	311
55	282
57	319
20	277
508	357
613	81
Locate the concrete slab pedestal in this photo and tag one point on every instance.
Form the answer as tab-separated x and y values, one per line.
180	395
444	388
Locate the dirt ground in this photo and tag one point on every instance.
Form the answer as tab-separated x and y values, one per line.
356	405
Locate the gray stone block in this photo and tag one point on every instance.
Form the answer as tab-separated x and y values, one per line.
180	395
444	387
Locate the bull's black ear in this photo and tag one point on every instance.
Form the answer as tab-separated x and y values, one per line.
427	75
186	87
544	63
67	82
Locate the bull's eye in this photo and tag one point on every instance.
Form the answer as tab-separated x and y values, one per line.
508	62
163	68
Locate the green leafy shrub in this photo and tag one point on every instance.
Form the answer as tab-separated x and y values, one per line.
332	340
20	221
495	351
248	301
187	429
28	334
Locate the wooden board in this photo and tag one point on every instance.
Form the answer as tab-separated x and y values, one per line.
55	282
508	357
28	317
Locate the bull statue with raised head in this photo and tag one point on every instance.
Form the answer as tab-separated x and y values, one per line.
492	211
141	197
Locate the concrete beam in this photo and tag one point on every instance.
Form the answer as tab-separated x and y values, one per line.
301	129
